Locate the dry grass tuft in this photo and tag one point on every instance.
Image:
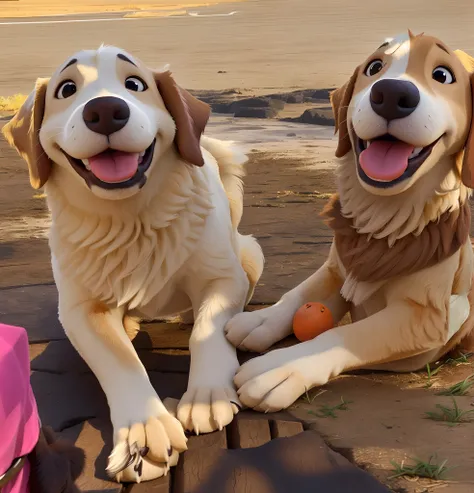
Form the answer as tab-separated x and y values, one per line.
12	103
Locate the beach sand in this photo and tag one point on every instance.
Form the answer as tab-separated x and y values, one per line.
35	8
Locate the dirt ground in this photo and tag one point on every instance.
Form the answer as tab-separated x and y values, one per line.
385	419
35	8
266	46
301	44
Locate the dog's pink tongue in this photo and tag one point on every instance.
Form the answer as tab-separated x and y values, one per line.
114	166
385	160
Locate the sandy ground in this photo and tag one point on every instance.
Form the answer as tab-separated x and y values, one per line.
267	45
34	8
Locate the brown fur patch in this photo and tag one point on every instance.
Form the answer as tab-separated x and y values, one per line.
99	318
22	132
131	326
370	259
334	280
190	115
340	99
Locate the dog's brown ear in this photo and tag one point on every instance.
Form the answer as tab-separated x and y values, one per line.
22	132
467	172
190	115
340	99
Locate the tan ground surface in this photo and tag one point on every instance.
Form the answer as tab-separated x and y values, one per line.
269	45
266	46
34	8
286	187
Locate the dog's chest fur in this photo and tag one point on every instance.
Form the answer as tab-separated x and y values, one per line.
368	263
125	259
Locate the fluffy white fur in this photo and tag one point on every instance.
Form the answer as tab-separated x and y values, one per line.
125	254
179	252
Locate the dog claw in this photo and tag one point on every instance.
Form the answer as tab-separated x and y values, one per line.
116	465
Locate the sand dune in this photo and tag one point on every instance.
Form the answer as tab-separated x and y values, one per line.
34	8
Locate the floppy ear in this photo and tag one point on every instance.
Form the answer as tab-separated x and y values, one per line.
22	132
340	99
467	172
190	115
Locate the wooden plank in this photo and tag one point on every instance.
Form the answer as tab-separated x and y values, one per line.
61	357
246	432
160	485
26	261
67	399
172	385
302	463
57	357
72	398
197	462
163	335
36	350
95	438
35	308
280	429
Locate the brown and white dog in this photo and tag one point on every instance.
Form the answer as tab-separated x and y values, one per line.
144	224
401	261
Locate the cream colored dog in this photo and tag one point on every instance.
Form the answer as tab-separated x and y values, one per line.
144	224
401	261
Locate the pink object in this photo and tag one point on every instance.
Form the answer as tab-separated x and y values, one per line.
19	420
385	160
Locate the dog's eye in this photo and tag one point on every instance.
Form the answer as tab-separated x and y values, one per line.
135	84
373	68
443	75
66	89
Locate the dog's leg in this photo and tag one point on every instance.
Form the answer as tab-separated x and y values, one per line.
403	329
211	401
252	260
147	439
260	329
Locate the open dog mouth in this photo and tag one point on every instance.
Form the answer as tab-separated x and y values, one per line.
114	169
386	160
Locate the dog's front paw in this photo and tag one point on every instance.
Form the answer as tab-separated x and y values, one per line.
259	330
207	409
270	382
146	450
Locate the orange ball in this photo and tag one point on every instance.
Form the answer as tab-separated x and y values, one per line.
311	320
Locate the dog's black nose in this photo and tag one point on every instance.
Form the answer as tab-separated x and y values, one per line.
393	98
106	115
